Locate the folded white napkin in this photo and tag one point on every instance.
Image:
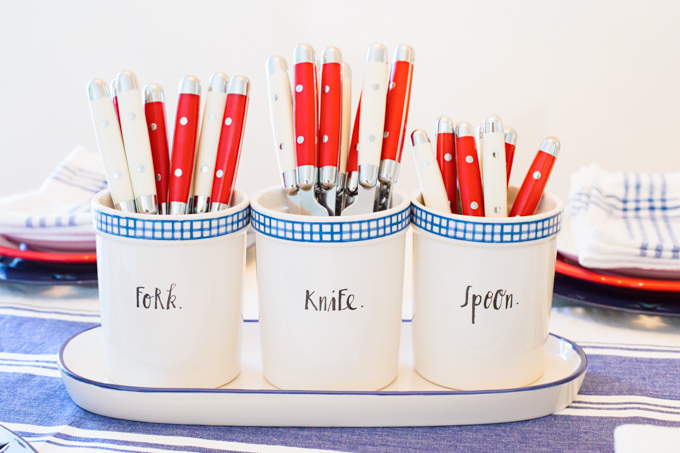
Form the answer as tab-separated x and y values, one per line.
646	438
625	220
57	215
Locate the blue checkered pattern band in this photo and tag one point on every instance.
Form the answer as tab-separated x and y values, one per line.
470	231
163	228
331	232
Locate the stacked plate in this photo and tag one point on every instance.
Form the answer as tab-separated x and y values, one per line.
630	289
46	235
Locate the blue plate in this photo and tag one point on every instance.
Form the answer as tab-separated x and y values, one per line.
582	292
12	443
17	270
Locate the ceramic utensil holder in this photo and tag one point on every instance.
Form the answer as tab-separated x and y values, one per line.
482	292
330	294
170	289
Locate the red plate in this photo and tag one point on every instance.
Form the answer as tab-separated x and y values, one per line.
46	257
567	267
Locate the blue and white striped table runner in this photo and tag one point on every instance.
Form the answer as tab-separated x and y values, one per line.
633	377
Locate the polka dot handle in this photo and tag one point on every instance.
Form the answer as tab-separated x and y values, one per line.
330	115
305	114
158	137
184	147
229	150
531	191
445	146
469	177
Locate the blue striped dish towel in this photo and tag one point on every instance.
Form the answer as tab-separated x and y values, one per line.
57	214
625	220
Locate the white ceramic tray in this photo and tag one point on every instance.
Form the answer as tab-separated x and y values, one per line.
250	400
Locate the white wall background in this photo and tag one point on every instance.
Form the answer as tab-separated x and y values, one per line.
604	77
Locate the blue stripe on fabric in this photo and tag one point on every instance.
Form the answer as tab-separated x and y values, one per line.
626	190
587	195
652	216
99	178
112	443
645	240
79	186
664	216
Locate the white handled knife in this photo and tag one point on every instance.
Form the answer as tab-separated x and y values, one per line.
371	129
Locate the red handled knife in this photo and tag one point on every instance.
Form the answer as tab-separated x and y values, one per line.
530	193
396	117
330	127
154	109
469	176
445	150
231	139
184	144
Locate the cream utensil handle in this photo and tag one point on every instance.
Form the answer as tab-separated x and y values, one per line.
429	175
111	147
373	103
209	140
281	113
494	174
137	144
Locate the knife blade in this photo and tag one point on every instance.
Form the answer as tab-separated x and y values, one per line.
209	140
154	109
429	176
510	145
305	108
469	176
136	141
111	147
281	112
445	151
231	141
494	169
371	129
531	191
330	127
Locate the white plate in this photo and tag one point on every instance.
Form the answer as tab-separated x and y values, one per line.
250	400
566	246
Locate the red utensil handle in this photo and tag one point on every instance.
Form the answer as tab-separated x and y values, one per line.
353	155
330	126
509	156
396	116
305	114
446	158
229	149
469	177
155	120
184	147
531	191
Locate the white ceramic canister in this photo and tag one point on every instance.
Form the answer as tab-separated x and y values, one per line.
171	289
330	293
482	293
